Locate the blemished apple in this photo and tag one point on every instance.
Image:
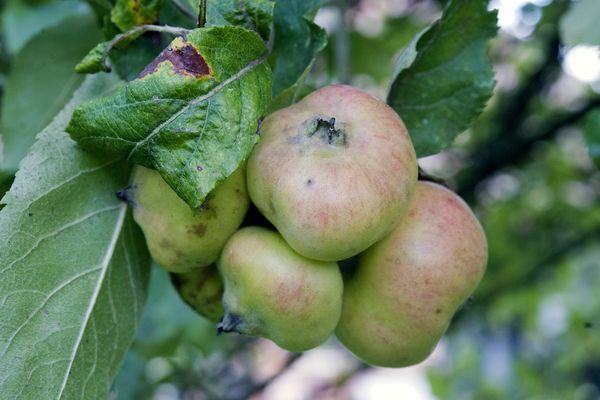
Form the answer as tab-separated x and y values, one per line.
179	238
274	292
406	288
334	173
201	289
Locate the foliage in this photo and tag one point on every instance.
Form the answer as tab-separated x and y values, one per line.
443	78
73	282
41	84
74	269
192	116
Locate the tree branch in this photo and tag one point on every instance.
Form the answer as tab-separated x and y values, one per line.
504	152
529	275
260	386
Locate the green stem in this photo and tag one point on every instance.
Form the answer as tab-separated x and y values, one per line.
202	14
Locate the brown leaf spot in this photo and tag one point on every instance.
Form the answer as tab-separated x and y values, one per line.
183	57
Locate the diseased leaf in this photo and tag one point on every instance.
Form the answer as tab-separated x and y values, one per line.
580	24
40	83
193	114
591	132
21	21
444	78
297	42
73	269
129	13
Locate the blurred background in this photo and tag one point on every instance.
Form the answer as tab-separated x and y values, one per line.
532	329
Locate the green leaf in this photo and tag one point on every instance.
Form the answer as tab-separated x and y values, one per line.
94	61
21	22
580	24
396	34
297	42
73	269
41	81
443	79
192	115
250	14
591	132
129	13
102	8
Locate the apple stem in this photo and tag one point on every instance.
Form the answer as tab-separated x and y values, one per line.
229	323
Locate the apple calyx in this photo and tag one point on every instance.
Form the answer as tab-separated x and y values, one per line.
326	130
229	323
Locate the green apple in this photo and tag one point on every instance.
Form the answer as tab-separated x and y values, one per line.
407	287
333	173
201	289
179	238
274	292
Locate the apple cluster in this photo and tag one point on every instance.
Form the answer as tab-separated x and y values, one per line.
336	176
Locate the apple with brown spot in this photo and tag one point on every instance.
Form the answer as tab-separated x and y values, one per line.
274	292
201	289
179	238
406	288
334	173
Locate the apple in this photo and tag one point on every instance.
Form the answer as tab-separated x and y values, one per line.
201	289
334	173
406	288
274	292
179	238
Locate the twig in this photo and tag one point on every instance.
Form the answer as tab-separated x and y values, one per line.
533	273
506	153
202	14
260	386
512	112
339	382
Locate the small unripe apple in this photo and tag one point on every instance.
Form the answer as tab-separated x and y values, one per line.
407	287
179	238
274	292
201	289
334	173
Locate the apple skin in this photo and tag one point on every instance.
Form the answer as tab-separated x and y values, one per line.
179	238
333	196
274	292
202	290
406	288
